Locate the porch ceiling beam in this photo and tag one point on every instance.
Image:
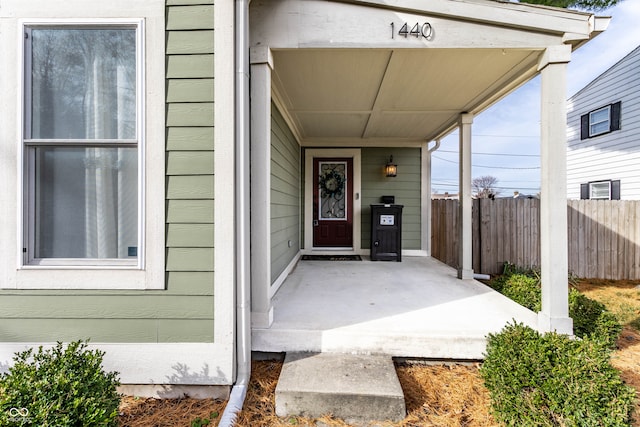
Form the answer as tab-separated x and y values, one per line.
399	112
338	24
375	108
513	15
374	142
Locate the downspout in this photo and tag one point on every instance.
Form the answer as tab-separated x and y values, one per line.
242	202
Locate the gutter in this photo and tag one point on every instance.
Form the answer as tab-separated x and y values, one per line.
242	205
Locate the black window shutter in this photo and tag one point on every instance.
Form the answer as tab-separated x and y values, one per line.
584	191
615	116
615	190
584	126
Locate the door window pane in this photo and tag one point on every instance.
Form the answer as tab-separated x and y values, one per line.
332	190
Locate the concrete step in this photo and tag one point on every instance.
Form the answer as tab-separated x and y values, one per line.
355	388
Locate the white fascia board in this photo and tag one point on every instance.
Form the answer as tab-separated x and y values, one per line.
506	14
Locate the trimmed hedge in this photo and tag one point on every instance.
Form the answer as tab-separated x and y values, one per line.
552	380
590	317
61	387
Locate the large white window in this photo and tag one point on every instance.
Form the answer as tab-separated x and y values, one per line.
82	145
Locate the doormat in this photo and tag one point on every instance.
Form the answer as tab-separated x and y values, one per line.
331	258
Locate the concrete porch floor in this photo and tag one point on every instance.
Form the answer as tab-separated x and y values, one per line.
413	308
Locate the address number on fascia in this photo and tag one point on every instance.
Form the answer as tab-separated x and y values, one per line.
418	30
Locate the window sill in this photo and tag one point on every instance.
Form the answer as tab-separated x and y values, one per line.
87	278
90	264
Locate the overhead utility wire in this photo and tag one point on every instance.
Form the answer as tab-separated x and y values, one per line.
497	188
507	136
490	167
494	154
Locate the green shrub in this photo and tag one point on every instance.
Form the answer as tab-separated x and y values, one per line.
59	387
552	380
523	289
590	318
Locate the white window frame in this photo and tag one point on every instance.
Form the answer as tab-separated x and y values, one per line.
599	186
150	271
28	244
594	123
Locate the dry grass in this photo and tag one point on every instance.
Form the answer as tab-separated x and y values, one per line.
622	297
442	396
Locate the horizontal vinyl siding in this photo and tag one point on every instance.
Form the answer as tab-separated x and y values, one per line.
405	187
183	312
613	155
190	168
285	194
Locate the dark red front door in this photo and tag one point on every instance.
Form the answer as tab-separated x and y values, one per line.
332	202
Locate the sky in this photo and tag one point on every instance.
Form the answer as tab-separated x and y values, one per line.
506	136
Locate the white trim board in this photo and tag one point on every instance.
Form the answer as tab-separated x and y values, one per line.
153	363
149	275
308	192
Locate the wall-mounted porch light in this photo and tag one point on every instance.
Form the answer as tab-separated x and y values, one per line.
391	169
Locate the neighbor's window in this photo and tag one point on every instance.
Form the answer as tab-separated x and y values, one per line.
603	120
599	121
601	190
81	145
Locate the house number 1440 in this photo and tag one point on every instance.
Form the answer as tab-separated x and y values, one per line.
418	30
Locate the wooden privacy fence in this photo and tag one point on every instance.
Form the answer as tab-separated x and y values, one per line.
604	236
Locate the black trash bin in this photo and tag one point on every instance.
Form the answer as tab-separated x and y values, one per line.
386	232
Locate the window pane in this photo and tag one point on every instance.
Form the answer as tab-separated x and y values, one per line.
599	121
600	190
83	83
86	202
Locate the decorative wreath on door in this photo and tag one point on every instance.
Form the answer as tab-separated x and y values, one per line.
331	184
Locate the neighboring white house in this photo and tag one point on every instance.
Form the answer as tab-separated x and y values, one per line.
604	135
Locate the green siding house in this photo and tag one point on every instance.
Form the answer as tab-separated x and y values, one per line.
166	163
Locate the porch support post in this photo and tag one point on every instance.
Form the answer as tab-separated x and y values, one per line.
425	219
465	266
261	66
554	264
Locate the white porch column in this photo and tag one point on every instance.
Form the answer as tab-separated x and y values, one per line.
465	269
425	197
261	66
553	198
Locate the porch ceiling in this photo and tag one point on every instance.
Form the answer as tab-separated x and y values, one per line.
391	95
